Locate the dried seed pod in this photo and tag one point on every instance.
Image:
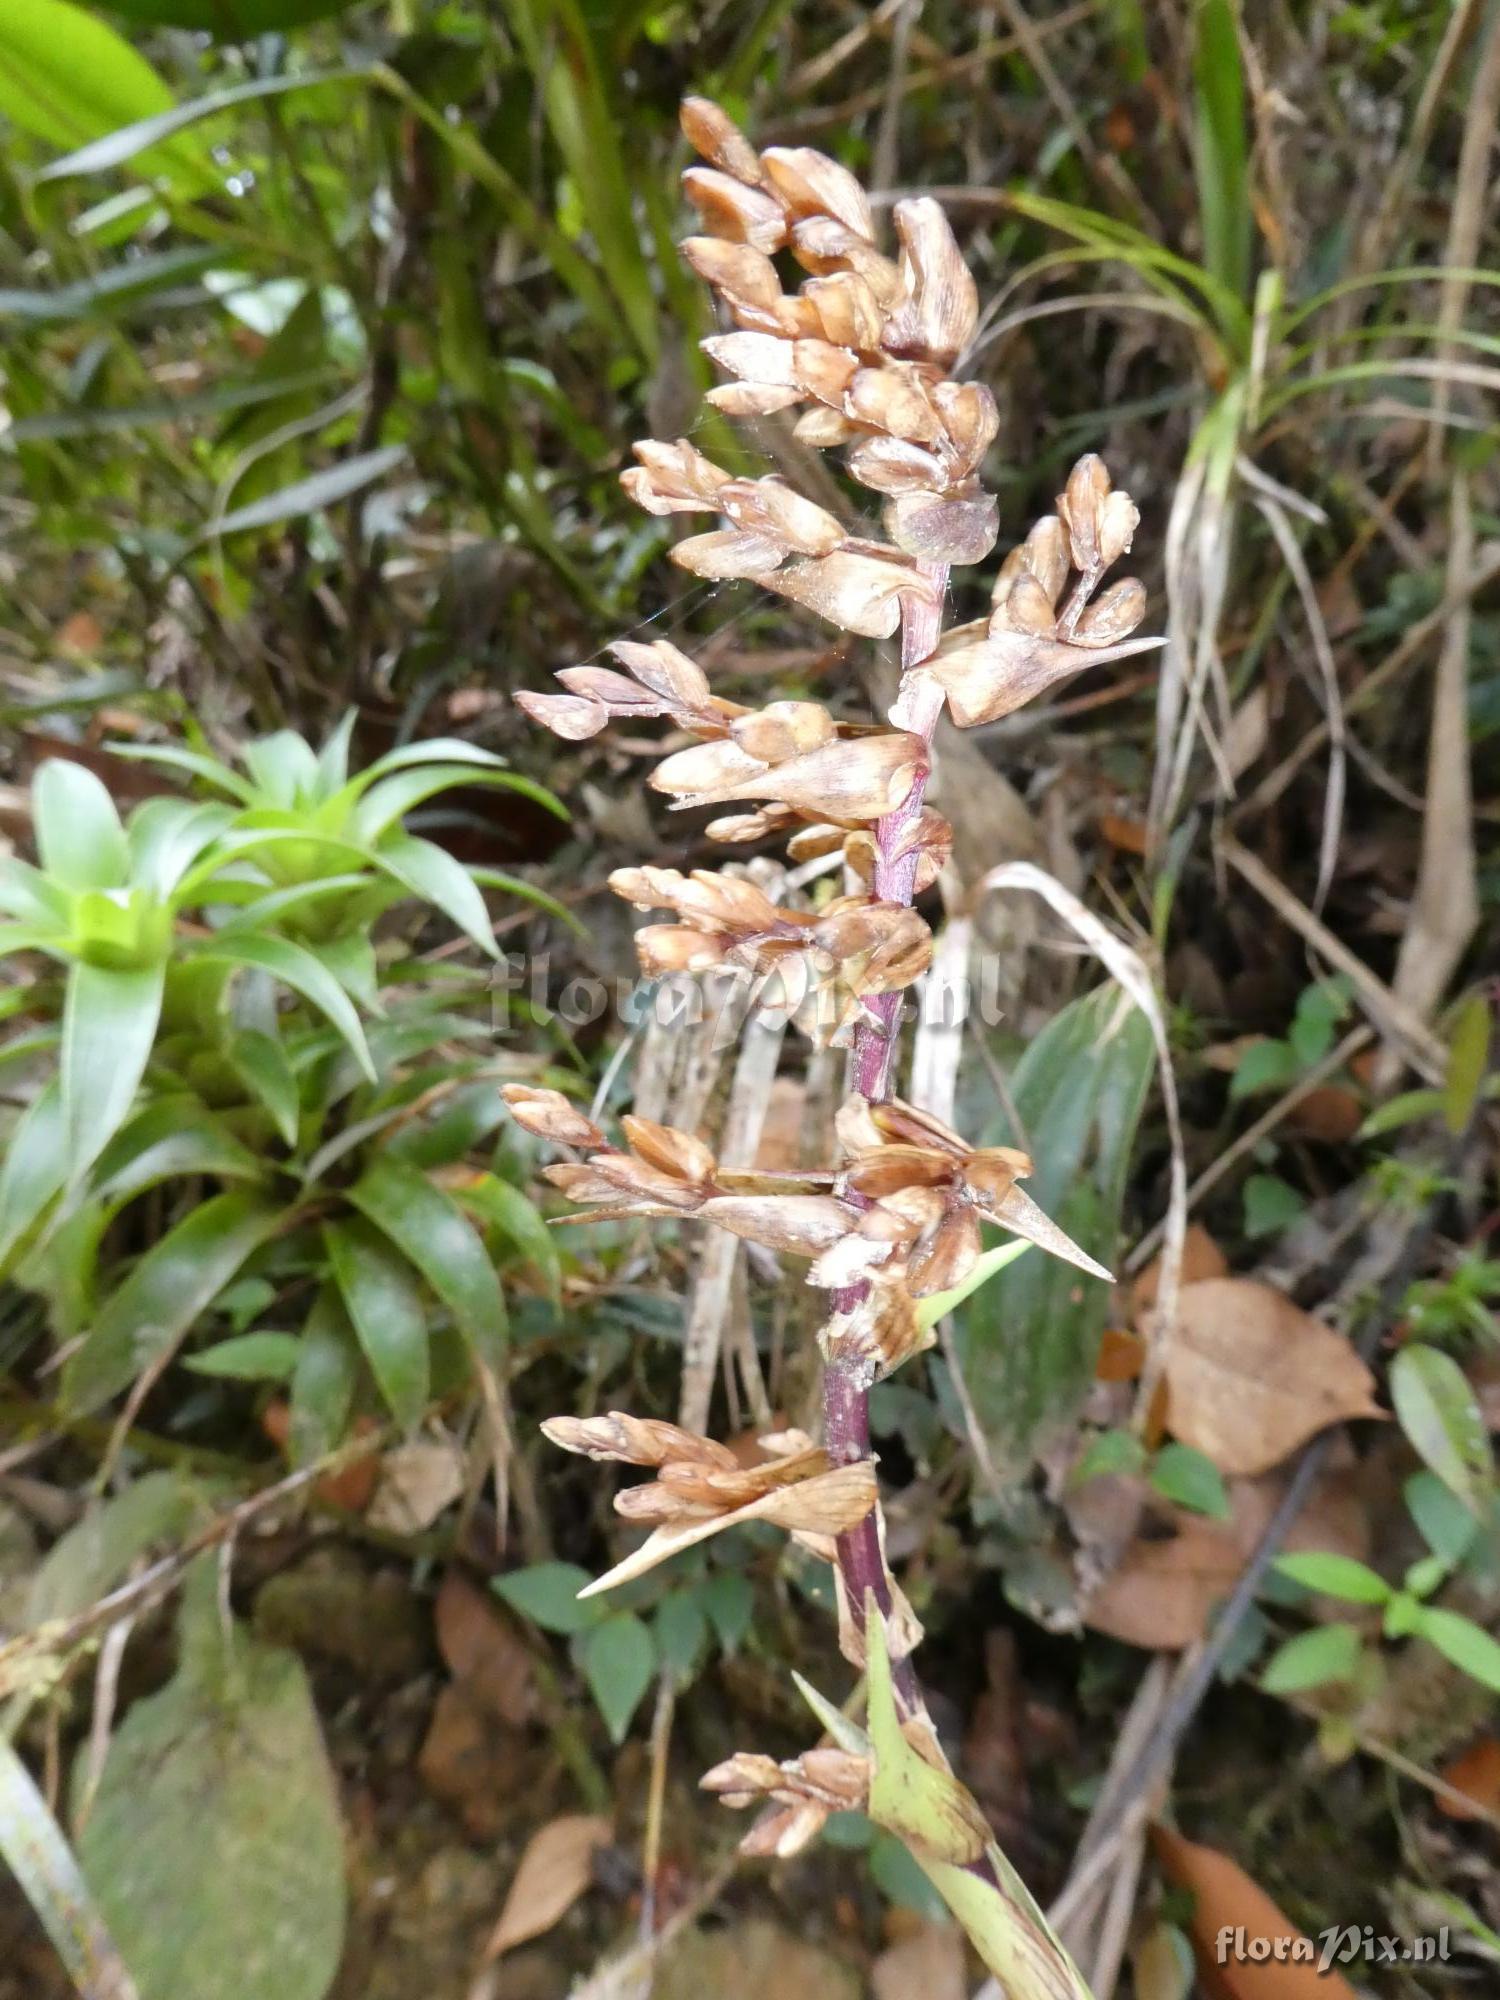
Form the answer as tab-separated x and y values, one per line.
772	508
940	305
809	183
857	592
726	553
550	1115
710	130
673	478
939	527
729	208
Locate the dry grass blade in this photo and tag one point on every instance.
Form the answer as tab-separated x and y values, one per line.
1472	191
44	1865
1390	1013
1445	910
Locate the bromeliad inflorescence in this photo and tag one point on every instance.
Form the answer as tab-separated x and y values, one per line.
860	357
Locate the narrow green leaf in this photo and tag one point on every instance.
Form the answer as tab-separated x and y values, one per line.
78	832
431	1231
127	142
172	1284
34	1168
194	762
1223	147
171	1135
232	20
310	495
1326	1653
32	1844
323	1380
431	872
1447	1526
618	1660
97	1552
384	1303
500	1206
109	1024
261	1063
937	1305
65	77
295	967
1468	1059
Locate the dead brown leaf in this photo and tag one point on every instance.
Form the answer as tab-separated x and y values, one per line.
554	1871
1332	1114
1477	1774
1201	1258
482	1651
1225	1897
1250	1376
926	1966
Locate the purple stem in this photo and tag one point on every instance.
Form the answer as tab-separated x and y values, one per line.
846	1389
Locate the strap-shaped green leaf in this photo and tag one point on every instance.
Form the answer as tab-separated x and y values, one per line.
262	1065
384	1302
323	1380
110	1017
431	1230
78	832
35	1167
432	873
176	1280
296	967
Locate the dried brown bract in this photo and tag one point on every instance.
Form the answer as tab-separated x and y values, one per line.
799	1795
700	1487
1042	631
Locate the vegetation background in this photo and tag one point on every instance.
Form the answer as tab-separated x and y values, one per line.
327	330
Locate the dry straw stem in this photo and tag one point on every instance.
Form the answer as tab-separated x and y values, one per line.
861	358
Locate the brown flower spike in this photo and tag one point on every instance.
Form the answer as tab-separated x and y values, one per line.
862	356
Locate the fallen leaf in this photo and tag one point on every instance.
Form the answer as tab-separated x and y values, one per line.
1128	835
1331	1113
1250	1376
927	1966
482	1651
417	1482
1121	1357
1201	1258
80	633
753	1960
1225	1898
482	1770
1477	1775
554	1871
1167	1586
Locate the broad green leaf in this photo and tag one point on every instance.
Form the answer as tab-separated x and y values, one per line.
1436	1408
97	1552
1460	1640
109	1024
283	767
1271	1205
171	1285
431	872
1424	1575
78	832
547	1594
1326	1653
500	1206
1447	1526
351	959
384	1304
66	78
295	967
430	1230
215	1845
34	1168
167	836
1028	1338
1404	1109
323	1380
618	1660
1180	1473
261	1063
249	1357
310	495
1335	1576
